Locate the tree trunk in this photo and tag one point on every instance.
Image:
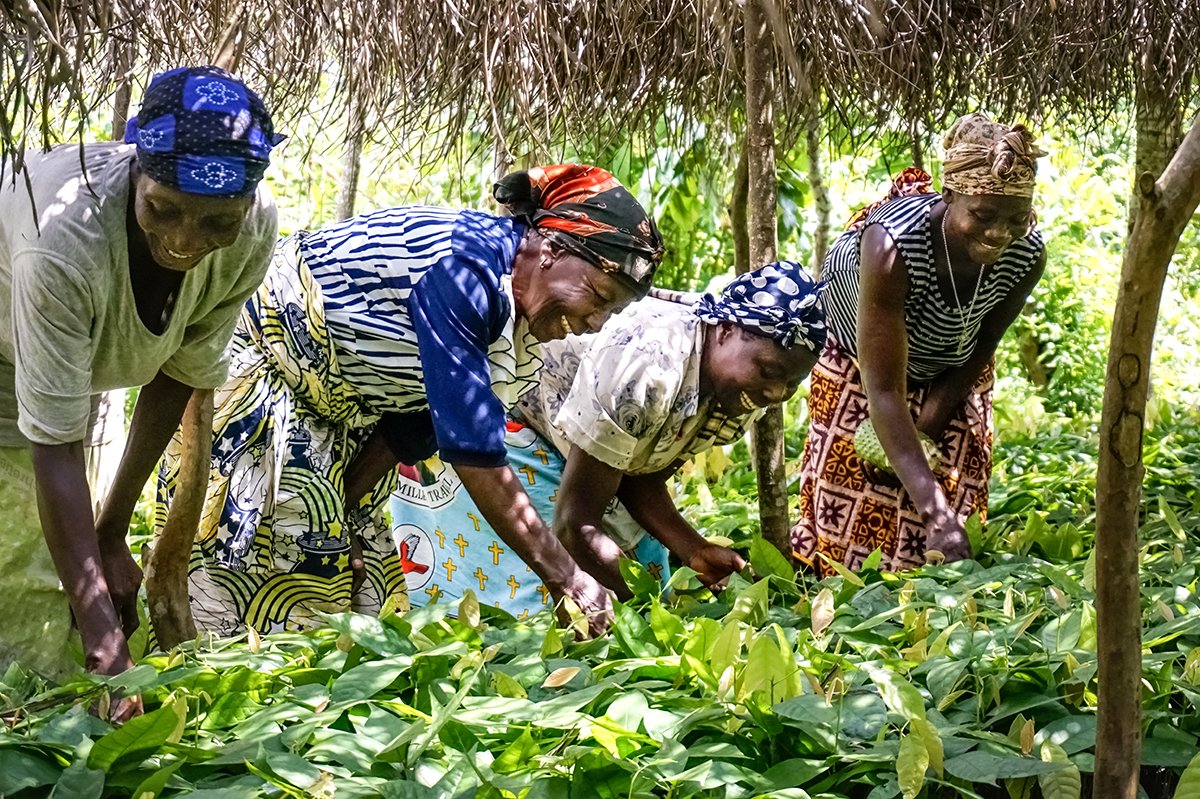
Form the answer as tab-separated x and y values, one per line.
167	565
347	192
1158	215
816	181
738	200
761	209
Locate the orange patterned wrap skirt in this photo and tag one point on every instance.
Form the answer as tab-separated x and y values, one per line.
845	514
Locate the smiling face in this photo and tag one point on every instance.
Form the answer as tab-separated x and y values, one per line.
181	228
743	371
560	293
980	227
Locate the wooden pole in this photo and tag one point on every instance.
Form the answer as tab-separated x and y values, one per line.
1162	209
347	192
822	207
767	435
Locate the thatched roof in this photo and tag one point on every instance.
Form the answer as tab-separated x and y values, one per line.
533	70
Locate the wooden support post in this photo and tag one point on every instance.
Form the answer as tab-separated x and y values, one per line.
761	208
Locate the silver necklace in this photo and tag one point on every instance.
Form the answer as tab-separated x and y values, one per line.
970	312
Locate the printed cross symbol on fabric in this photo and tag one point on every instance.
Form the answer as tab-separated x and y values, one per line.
496	551
513	585
462	545
214	175
545	594
216	93
481	577
450	569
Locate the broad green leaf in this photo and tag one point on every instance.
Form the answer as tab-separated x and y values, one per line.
667	627
1189	781
639	579
1064	783
933	744
153	785
504	685
728	648
769	669
766	560
517	755
633	633
295	770
911	764
899	694
366	680
139	737
79	782
843	572
369	632
697	651
750	605
986	767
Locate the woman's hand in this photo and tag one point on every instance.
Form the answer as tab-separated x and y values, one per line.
945	535
714	563
593	599
124	578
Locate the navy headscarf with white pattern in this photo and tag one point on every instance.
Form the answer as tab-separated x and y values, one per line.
779	301
202	131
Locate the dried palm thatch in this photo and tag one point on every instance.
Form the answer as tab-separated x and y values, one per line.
535	71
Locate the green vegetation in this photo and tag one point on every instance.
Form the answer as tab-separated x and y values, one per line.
936	683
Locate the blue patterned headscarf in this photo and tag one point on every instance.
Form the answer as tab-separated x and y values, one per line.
202	131
779	301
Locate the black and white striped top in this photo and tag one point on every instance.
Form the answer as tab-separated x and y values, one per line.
935	325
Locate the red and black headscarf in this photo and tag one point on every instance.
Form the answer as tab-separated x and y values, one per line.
586	211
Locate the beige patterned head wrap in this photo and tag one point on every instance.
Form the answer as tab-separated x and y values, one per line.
986	157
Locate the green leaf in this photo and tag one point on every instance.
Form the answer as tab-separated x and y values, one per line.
769	669
79	782
365	680
911	764
898	694
750	605
153	785
295	770
138	738
370	632
667	627
632	632
639	579
766	560
1189	781
933	744
24	769
728	648
794	773
1064	783
517	755
986	767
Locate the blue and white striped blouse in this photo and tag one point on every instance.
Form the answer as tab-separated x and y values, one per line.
934	325
413	299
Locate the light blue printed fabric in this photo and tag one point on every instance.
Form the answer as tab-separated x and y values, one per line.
446	546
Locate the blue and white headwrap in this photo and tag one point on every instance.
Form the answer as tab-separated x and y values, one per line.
779	301
202	131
